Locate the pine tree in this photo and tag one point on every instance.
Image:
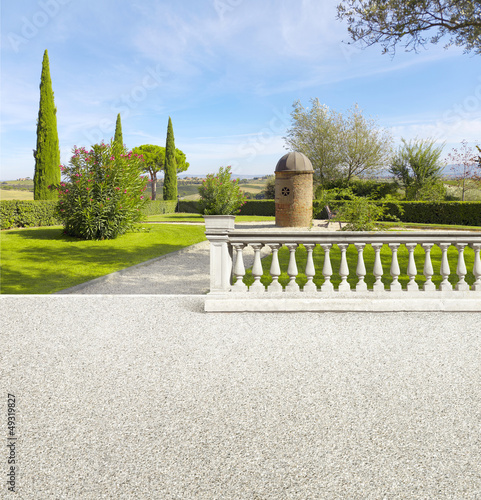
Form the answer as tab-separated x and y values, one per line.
118	132
170	169
47	154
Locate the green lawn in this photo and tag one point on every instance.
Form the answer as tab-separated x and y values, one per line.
185	217
352	255
44	260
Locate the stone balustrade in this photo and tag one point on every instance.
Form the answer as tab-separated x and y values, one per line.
228	292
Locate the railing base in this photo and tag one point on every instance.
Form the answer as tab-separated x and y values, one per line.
456	301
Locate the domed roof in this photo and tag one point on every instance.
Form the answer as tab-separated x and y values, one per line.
294	162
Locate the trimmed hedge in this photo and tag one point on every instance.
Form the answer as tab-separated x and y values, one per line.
159	207
460	213
189	206
259	207
15	213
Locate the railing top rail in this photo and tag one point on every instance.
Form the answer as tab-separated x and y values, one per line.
435	237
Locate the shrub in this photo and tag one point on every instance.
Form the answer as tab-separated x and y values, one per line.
220	195
361	214
159	207
102	197
376	190
14	213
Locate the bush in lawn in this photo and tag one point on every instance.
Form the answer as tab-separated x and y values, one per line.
220	195
102	196
361	214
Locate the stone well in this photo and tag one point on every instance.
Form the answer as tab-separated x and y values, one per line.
294	176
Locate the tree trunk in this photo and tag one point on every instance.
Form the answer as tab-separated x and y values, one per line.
154	187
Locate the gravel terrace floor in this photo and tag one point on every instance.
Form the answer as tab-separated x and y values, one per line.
148	397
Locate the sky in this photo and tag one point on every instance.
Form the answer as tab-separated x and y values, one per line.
226	71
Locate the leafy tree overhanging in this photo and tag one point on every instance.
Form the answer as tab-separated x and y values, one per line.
414	23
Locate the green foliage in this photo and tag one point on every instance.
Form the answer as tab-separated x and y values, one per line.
170	169
102	197
154	162
360	214
376	190
189	206
416	166
118	139
339	146
47	153
220	195
416	22
269	192
158	207
259	207
14	213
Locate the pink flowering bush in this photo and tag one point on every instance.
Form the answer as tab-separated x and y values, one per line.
102	192
220	195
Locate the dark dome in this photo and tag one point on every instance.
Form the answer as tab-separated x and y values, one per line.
294	162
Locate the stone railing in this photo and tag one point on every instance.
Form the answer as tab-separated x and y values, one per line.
228	292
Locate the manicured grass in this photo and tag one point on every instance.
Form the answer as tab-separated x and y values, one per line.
352	256
44	260
184	217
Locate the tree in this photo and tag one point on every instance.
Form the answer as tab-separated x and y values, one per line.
170	168
270	189
154	162
415	22
314	132
47	154
417	167
118	132
465	167
339	147
365	147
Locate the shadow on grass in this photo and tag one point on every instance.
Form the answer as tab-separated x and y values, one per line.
51	261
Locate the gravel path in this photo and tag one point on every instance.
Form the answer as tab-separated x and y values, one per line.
148	397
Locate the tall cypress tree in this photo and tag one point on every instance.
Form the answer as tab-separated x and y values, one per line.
47	154
118	132
170	166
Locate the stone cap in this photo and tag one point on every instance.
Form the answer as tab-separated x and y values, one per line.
294	162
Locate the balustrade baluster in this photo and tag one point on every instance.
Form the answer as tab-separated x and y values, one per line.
239	269
292	271
377	270
344	269
445	271
361	285
310	269
257	286
412	270
461	268
327	269
275	270
477	267
428	268
395	271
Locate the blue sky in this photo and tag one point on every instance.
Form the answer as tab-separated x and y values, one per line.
226	71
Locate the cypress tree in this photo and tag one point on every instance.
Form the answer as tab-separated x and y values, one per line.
118	132
170	168
47	154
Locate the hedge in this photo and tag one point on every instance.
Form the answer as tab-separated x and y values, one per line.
159	207
460	213
15	213
189	206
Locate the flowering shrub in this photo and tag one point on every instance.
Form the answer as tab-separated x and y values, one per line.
103	192
220	195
